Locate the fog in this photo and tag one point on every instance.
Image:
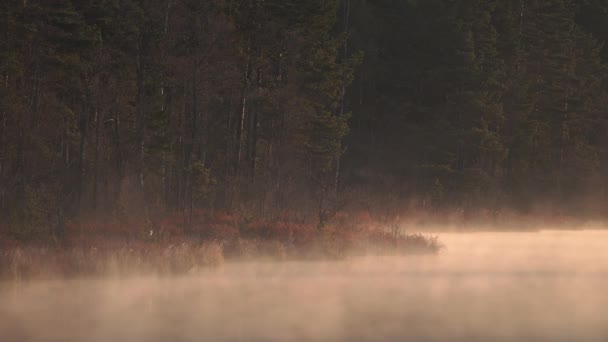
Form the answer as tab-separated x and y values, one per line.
547	285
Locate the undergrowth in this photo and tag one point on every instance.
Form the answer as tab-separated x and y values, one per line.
175	245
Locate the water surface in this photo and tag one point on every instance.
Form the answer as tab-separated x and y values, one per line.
549	285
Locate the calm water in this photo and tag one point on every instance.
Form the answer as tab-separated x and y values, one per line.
551	285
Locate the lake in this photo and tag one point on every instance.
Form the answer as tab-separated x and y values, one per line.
511	286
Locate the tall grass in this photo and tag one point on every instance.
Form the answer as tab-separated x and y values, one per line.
173	246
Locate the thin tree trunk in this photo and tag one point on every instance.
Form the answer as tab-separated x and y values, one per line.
241	124
3	107
336	182
562	157
2	141
229	141
165	91
118	160
228	155
252	134
3	186
251	144
3	115
20	172
96	160
345	55
34	99
83	126
521	16
193	135
140	117
180	160
167	162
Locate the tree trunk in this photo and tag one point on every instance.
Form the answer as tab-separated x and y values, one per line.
83	127
140	118
4	192
193	136
96	160
336	181
241	124
167	172
251	144
180	158
2	137
521	16
118	160
252	133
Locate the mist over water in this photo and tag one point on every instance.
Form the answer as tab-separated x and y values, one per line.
548	285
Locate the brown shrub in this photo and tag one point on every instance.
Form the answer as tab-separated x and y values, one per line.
106	248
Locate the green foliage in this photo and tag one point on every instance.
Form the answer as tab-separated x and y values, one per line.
496	96
133	106
202	182
325	133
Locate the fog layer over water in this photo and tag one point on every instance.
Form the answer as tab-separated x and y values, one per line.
551	285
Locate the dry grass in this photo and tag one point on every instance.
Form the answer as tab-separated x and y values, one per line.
173	247
109	259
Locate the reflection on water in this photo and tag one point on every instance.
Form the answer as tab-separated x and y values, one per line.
551	285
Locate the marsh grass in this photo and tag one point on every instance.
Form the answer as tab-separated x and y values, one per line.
42	262
172	248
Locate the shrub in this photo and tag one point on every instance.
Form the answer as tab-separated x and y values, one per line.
106	248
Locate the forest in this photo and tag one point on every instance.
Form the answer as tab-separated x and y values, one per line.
303	170
121	111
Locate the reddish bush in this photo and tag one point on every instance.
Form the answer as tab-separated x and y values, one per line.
224	218
173	244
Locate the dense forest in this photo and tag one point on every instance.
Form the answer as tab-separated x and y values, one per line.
140	108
